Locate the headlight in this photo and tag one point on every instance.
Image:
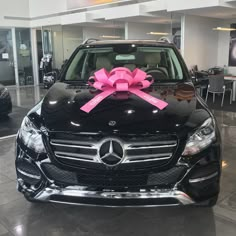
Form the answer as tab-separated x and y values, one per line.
31	136
201	139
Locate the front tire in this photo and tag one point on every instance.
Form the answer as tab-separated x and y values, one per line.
209	203
212	202
29	199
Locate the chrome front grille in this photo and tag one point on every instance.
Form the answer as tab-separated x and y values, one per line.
149	151
74	150
134	150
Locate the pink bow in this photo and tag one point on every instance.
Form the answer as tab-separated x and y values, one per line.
121	80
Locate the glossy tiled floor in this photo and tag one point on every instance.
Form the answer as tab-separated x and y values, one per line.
18	217
26	97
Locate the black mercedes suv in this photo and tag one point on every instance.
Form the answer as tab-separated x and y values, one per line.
125	152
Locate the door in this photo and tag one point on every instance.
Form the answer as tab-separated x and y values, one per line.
7	70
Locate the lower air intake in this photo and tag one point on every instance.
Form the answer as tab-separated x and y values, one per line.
161	179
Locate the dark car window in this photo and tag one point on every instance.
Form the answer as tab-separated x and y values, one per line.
160	62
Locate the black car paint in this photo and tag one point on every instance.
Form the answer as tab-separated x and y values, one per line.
183	115
61	109
186	111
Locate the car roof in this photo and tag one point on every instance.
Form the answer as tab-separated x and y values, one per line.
94	42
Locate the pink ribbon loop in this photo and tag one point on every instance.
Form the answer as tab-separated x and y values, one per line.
121	80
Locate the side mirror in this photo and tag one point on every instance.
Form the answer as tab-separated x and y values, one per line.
49	79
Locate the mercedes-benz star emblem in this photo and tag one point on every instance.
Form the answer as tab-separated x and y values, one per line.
111	152
112	123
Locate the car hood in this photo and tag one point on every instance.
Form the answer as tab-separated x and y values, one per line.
123	113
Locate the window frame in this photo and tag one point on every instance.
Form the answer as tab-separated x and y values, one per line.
186	75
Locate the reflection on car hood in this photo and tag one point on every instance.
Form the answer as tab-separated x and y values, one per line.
116	114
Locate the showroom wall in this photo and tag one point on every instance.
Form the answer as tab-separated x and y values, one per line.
223	48
45	7
72	38
44	12
97	32
13	9
58	52
140	30
199	41
65	40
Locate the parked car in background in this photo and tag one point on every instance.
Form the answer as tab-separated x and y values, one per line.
5	101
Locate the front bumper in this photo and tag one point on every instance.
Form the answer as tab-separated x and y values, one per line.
198	183
81	195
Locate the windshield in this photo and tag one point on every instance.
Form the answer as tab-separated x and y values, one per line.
159	62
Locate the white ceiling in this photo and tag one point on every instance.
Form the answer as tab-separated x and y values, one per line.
152	20
141	13
161	19
116	25
214	12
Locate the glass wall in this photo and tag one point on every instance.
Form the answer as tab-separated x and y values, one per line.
15	57
59	42
53	55
7	73
24	57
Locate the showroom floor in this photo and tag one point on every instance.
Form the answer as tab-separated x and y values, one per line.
18	217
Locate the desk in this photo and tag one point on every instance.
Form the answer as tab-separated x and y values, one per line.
232	78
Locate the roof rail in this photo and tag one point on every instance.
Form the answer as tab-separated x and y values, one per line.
90	40
164	40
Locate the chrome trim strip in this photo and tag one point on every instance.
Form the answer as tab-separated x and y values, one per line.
73	155
72	146
153	142
144	158
74	158
109	206
80	191
149	147
197	180
88	146
28	175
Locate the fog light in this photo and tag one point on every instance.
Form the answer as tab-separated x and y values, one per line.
28	172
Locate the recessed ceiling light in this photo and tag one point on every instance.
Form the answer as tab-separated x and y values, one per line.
110	36
158	33
224	29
